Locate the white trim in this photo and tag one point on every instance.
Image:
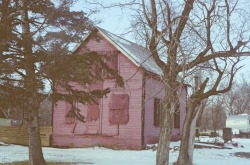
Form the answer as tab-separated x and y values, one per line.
80	43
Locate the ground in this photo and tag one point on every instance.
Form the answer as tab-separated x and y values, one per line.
238	154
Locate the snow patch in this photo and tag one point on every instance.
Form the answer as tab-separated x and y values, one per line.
103	156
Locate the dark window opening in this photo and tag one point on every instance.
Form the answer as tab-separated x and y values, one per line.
177	118
157	112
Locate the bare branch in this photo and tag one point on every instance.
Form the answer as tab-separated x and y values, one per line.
228	25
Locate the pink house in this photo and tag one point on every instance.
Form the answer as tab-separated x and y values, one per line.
128	117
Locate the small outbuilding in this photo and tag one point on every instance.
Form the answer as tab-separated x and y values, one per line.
128	117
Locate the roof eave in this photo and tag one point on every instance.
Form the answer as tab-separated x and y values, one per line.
80	43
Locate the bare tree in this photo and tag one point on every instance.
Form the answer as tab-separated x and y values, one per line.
214	117
237	101
191	36
200	119
185	37
218	116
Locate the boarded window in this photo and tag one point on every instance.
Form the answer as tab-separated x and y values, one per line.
157	112
177	118
69	117
118	109
93	112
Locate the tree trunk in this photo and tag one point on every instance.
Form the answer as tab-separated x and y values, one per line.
162	155
188	136
30	83
170	103
35	148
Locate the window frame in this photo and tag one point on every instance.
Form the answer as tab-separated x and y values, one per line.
157	112
177	119
119	111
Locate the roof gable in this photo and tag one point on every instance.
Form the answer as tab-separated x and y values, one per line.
139	55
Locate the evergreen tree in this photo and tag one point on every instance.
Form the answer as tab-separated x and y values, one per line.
35	43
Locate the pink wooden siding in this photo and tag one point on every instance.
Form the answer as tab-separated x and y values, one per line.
101	132
154	88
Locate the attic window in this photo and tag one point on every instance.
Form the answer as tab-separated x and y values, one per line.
113	62
118	109
97	38
111	59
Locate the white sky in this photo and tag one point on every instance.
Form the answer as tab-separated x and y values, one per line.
114	19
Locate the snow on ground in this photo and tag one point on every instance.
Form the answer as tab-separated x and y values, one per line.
103	156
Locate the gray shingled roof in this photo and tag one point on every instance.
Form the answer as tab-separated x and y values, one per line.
139	55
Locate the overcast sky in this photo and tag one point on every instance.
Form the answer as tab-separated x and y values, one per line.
118	20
